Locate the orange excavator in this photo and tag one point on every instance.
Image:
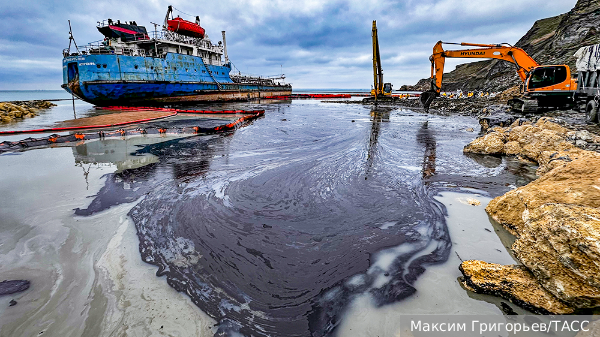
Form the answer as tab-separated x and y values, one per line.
544	85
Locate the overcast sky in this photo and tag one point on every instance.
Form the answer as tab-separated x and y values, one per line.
319	44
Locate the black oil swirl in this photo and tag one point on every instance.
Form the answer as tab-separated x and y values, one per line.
274	229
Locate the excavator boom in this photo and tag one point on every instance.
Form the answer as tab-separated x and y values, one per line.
377	71
523	62
381	91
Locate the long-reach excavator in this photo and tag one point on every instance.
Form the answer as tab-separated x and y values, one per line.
544	85
381	91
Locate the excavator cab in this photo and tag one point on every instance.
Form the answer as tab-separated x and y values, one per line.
549	86
386	91
546	76
387	88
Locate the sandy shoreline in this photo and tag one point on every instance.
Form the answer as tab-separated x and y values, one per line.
87	277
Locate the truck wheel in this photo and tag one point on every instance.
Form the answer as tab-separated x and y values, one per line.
591	112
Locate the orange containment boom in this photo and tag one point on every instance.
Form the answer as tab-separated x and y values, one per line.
287	97
51	140
172	112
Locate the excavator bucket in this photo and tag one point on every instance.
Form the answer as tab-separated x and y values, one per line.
427	97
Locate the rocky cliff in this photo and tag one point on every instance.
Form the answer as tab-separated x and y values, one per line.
550	41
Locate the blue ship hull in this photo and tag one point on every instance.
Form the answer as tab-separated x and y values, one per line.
131	80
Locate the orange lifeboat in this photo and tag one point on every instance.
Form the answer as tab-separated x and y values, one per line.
184	27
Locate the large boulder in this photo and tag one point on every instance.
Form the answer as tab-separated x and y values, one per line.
560	245
514	283
549	160
522	139
491	143
575	182
533	140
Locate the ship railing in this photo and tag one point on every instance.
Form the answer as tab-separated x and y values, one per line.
254	80
102	48
158	35
109	22
105	23
172	36
167	35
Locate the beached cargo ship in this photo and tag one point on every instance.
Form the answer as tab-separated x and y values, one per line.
176	64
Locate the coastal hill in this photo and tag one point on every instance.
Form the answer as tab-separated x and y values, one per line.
552	40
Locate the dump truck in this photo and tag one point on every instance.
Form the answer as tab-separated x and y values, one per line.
587	95
544	85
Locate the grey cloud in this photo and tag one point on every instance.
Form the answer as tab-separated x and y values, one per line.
320	43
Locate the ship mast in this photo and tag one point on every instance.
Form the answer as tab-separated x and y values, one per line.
225	47
169	12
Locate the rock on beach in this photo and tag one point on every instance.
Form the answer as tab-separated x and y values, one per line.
560	244
555	218
514	283
11	111
13	286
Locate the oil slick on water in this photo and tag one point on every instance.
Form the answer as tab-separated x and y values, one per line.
302	223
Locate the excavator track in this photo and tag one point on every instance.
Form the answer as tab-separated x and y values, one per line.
524	105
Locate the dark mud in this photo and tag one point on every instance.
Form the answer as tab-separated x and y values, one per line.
274	228
13	286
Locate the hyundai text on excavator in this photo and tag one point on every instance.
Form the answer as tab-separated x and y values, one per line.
381	91
544	85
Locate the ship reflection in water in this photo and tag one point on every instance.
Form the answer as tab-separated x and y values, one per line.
274	229
116	151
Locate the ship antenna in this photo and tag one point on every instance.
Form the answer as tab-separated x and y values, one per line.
155	29
71	38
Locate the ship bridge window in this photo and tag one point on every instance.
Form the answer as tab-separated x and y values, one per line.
104	66
98	65
135	66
